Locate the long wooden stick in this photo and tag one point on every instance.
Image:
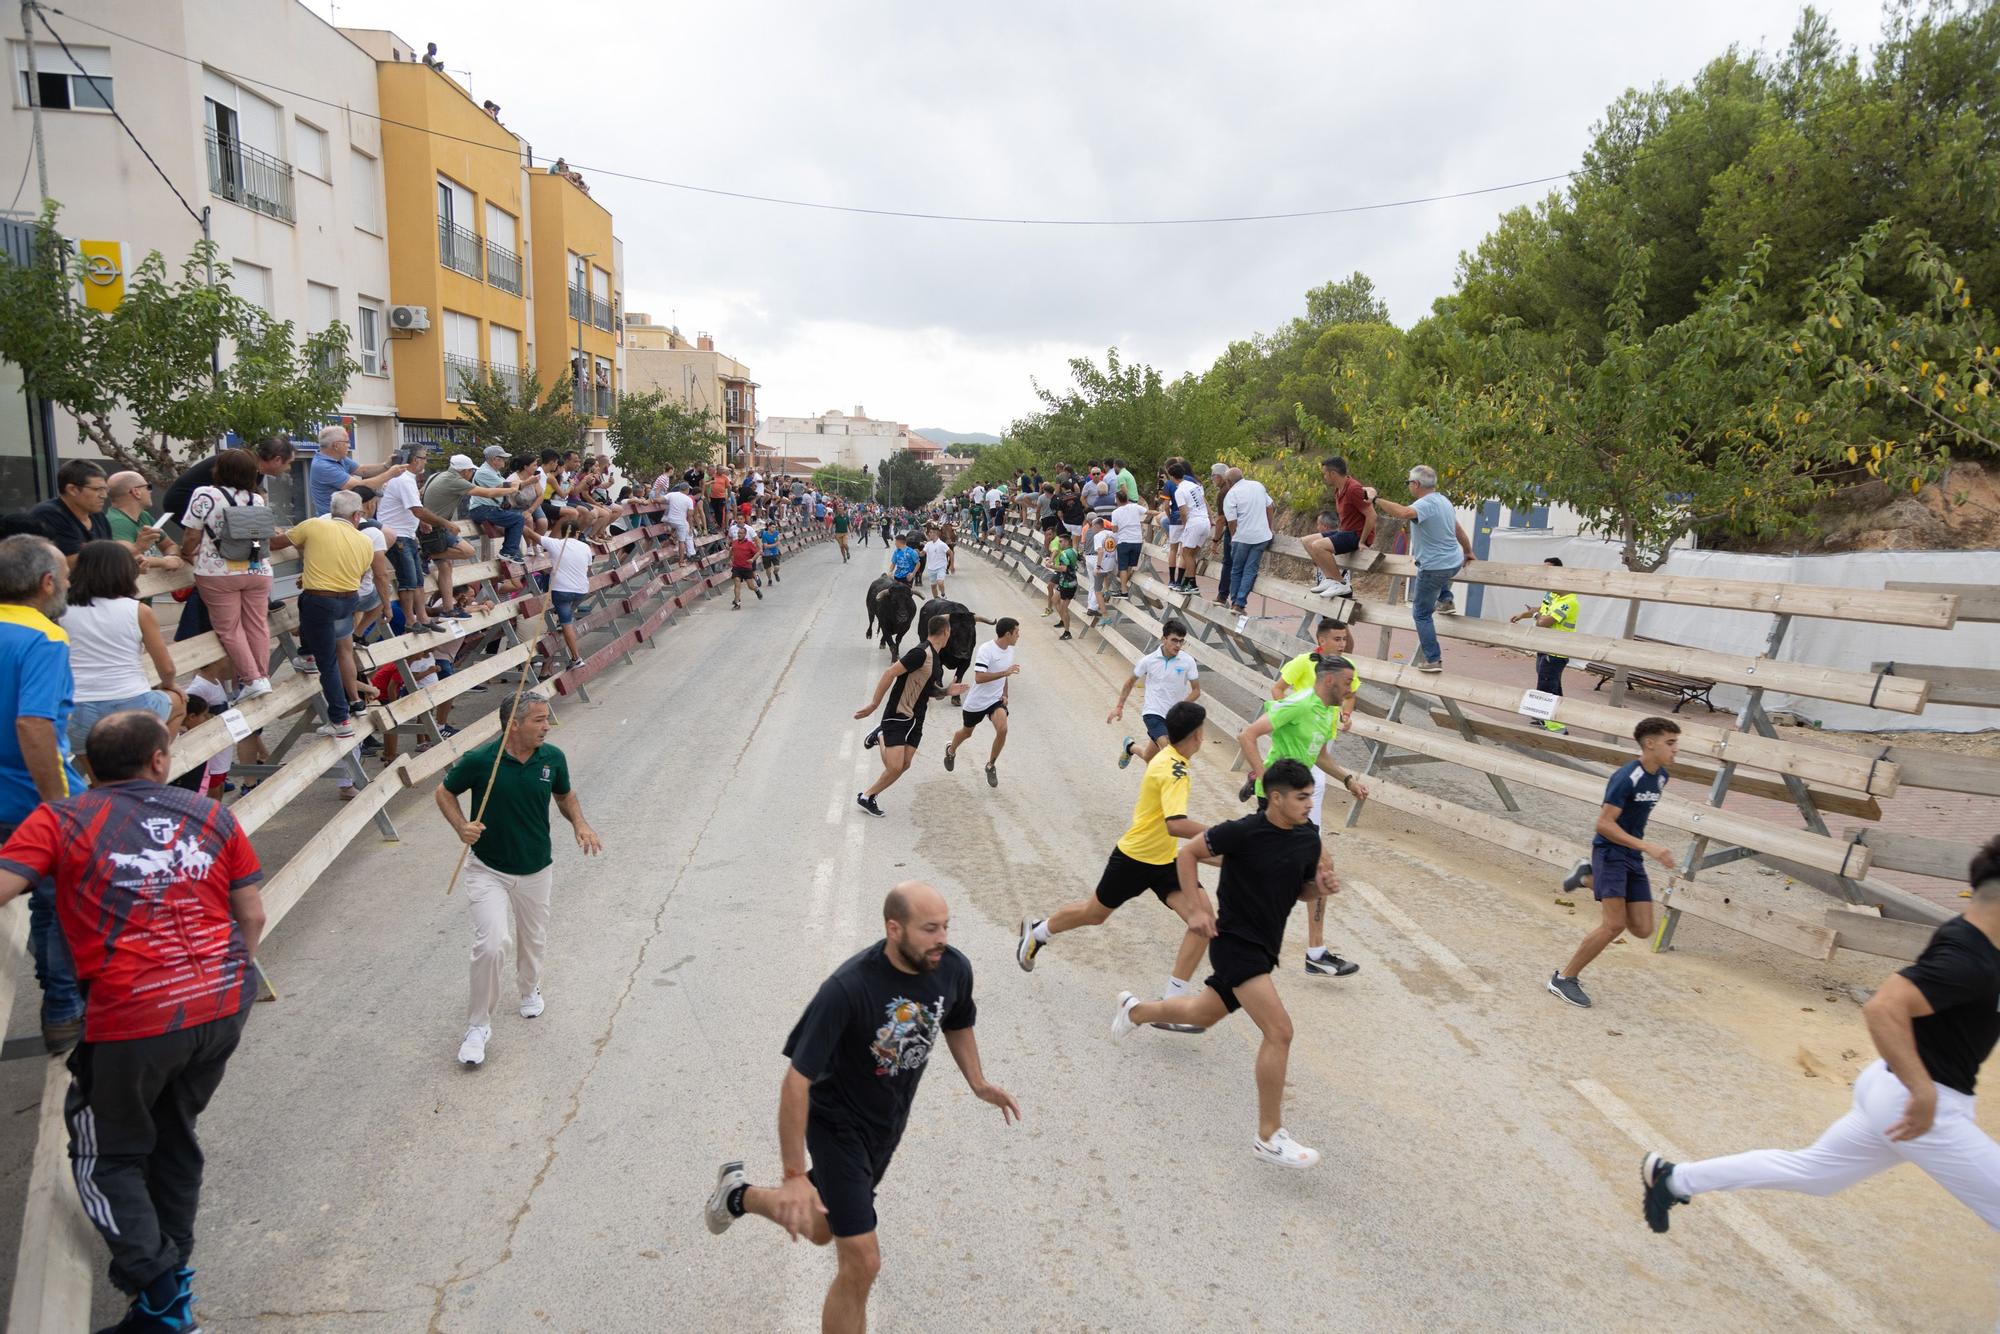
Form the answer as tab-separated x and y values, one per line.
499	749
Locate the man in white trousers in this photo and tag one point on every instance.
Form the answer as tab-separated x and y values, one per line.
509	866
1935	1023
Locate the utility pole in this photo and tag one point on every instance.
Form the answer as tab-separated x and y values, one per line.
35	101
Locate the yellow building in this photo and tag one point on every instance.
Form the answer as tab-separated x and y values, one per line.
572	259
658	357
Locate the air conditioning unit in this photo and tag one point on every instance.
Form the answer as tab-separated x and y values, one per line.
409	318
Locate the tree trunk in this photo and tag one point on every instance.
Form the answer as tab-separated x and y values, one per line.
1631	615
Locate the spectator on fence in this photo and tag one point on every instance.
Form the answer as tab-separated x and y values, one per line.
336	554
206	697
679	514
494	489
156	889
569	580
1247	512
332	470
75	514
1441	548
109	631
445	495
402	513
128	508
378	585
1557	611
274	456
1354	530
228	533
37	691
425	670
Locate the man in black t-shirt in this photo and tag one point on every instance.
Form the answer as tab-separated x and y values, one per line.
1935	1024
910	683
857	1055
1270	861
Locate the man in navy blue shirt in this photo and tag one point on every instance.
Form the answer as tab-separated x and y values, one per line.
1617	852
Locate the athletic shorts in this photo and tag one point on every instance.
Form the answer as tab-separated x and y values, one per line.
973	719
903	731
407	563
1235	962
1128	555
1344	542
744	572
845	1171
770	562
1619	873
1126	878
1156	726
564	606
1195	533
552	512
1173	534
1065	593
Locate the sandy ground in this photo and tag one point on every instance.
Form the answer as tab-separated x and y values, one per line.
1481	1141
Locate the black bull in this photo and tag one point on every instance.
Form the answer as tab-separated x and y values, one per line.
893	607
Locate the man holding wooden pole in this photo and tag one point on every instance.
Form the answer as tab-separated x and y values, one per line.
511	857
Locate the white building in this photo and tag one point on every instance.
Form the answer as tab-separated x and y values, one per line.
258	112
853	440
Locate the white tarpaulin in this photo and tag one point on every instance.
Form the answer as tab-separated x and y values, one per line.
1854	646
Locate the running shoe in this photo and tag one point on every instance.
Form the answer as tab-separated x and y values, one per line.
1551	725
727	1178
1567	988
1331	965
1029	947
1656	1173
343	730
950	759
1282	1150
758	591
532	1005
1248	790
1065	635
1331	591
992	776
867	803
1125	753
869	742
304	665
472	1051
1121	1022
1576	878
1430	668
1447	609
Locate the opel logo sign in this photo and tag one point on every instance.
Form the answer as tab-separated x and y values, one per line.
101	270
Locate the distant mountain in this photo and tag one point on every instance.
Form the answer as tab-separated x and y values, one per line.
945	437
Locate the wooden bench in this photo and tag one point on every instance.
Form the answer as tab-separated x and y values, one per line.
1685	690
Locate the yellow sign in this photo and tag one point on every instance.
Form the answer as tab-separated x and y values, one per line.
103	272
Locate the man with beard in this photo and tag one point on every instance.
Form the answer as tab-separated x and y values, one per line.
857	1055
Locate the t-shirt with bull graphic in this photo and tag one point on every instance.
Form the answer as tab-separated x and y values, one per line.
143	876
866	1037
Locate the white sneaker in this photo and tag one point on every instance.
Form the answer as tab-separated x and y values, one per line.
1121	1022
531	1004
1284	1151
345	731
1335	590
472	1051
255	690
727	1178
304	665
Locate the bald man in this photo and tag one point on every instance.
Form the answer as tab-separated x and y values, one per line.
857	1054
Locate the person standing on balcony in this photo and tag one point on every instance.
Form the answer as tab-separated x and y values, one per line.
1556	612
332	470
1441	548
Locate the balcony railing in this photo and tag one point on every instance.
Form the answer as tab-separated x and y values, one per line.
509	376
605	399
503	269
457	370
458	248
250	177
600	313
579	303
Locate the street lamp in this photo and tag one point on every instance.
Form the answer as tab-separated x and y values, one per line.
583	287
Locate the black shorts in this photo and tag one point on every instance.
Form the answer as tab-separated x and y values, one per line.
551	511
1235	962
973	719
1126	878
745	573
770	562
1066	594
845	1171
903	731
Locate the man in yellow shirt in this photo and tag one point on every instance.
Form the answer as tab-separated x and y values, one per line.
335	554
1556	612
1144	858
1331	636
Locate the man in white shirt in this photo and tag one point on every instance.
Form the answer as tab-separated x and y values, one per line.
978	499
569	579
400	510
1170	676
937	559
992	666
1099	557
679	509
1195	527
1128	535
1246	509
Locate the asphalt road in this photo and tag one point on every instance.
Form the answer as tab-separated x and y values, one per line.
1481	1141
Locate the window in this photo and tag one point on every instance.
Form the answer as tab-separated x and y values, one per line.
504	346
368	338
252	282
244	165
458	244
60	85
365	191
454	203
502	230
461	352
315	158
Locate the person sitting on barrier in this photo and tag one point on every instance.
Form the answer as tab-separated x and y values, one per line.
493	493
1556	612
1344	529
442	544
110	630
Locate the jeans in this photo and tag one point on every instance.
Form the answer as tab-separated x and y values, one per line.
1244	559
1432	587
54	969
320	615
509	522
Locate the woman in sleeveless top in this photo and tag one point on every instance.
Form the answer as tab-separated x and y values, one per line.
109	631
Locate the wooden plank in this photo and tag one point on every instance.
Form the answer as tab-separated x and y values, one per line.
1916	854
415	770
1885	936
1977	687
283	890
191	654
52	1269
289	694
303	767
1714	905
373	657
1976	602
1940	771
596	663
413	703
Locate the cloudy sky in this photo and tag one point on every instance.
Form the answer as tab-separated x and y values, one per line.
1097	111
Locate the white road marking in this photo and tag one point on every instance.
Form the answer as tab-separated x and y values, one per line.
1800	1274
1422	939
836	805
846	749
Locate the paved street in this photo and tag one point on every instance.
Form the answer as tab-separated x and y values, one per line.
1481	1141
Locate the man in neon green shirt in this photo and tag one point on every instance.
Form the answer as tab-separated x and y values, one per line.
1300	727
1556	612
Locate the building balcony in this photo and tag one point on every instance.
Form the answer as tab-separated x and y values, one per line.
600	313
458	370
458	249
579	303
509	376
503	269
606	399
250	177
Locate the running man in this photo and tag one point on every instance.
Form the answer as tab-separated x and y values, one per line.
841	522
1302	727
772	553
992	666
742	566
1617	872
1556	612
1144	859
937	561
1062	588
856	1057
1269	861
902	727
1934	1023
1171	676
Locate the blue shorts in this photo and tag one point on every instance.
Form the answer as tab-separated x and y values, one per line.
564	606
1128	555
1156	726
408	564
1619	873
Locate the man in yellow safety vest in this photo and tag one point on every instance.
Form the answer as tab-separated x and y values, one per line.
1556	612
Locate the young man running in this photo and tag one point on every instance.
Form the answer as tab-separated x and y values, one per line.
1170	676
1617	872
1144	859
1302	727
915	677
742	567
856	1057
1269	861
772	553
937	562
992	666
1062	588
841	522
1934	1023
1331	636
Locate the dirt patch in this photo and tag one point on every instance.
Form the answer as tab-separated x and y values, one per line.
1985	745
1959	513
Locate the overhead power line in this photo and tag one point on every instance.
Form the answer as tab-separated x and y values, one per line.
921	215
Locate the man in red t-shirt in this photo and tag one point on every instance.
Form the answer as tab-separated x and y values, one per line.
742	564
156	893
1356	519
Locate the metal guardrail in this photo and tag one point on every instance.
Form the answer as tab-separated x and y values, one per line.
458	248
457	370
250	177
507	375
503	269
579	303
605	399
600	313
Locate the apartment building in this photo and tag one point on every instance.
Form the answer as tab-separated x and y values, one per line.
658	357
573	256
851	440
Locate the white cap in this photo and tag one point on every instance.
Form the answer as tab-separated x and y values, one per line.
459	462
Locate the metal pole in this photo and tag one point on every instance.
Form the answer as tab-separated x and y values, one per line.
35	101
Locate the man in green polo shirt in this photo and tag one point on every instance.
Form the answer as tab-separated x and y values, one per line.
1301	726
511	858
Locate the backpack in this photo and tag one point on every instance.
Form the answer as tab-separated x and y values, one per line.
241	532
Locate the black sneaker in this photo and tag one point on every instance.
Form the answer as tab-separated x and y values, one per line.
992	776
1065	635
950	759
1576	878
869	742
1567	988
1655	1172
867	803
758	591
1332	965
1248	790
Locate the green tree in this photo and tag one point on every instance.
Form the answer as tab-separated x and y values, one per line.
848	483
523	421
141	382
651	432
908	481
1351	300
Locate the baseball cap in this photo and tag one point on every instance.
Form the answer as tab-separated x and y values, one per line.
496	452
459	462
